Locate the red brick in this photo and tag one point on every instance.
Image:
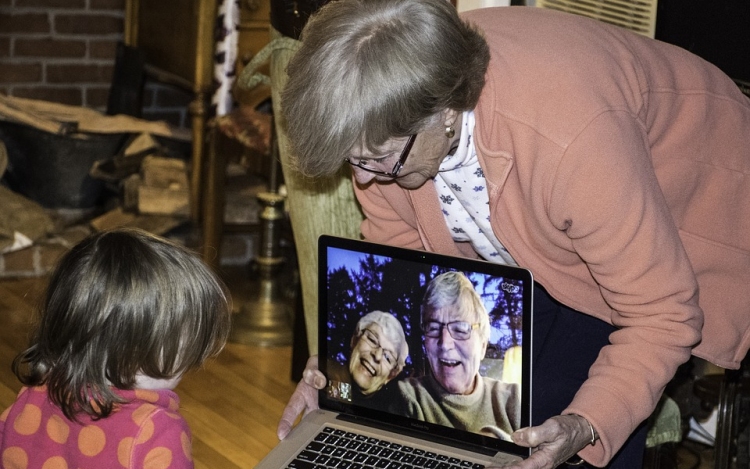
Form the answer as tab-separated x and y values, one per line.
97	97
102	49
48	47
71	96
4	46
88	24
75	73
20	73
26	23
107	5
51	3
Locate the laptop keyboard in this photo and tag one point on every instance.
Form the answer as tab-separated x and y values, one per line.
333	448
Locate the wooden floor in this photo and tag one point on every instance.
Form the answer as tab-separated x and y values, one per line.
232	406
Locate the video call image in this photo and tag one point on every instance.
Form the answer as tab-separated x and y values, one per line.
424	342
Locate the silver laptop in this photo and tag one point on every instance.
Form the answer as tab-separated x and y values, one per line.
360	428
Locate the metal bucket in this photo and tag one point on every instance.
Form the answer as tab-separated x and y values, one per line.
53	169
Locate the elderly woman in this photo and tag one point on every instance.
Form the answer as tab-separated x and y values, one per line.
379	352
455	333
613	166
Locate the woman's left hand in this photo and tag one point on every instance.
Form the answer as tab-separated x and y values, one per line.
554	442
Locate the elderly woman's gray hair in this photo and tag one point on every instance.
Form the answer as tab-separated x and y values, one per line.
391	328
372	70
455	289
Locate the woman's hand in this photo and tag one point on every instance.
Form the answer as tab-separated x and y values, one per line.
305	397
554	442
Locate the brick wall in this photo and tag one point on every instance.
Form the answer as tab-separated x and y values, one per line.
63	51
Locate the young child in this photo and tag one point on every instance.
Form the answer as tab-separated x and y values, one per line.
125	315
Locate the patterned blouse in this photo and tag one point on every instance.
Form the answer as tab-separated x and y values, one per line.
463	196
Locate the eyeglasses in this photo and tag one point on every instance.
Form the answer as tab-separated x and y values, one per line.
459	330
362	163
373	342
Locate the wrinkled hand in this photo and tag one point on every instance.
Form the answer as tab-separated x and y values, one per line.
554	441
304	399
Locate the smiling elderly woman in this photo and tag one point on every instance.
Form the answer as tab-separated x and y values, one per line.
378	354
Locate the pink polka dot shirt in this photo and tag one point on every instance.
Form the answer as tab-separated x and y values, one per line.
148	432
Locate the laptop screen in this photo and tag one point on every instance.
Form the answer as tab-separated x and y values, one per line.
426	343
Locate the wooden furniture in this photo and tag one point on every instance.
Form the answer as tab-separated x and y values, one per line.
252	131
177	41
254	35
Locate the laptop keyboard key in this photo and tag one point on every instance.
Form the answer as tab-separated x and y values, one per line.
307	455
337	449
299	464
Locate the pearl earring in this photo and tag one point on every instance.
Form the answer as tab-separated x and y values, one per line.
450	132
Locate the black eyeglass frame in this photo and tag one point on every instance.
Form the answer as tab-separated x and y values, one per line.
396	168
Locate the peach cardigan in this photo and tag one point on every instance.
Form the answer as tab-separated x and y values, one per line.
617	170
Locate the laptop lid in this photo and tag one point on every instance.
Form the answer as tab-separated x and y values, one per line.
357	278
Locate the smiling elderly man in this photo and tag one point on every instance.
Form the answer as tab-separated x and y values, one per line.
456	328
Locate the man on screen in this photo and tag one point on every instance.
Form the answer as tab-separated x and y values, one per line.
456	329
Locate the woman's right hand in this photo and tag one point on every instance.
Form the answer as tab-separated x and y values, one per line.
305	397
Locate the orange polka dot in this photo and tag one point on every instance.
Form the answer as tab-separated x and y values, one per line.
158	458
91	440
55	462
4	414
58	429
29	420
147	395
187	446
173	415
147	431
123	451
15	457
141	413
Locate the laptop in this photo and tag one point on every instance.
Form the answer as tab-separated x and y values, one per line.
358	277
